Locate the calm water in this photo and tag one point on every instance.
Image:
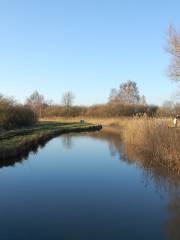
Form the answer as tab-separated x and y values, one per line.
80	187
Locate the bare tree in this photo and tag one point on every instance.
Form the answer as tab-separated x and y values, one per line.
36	102
142	100
168	104
68	99
127	93
113	96
174	50
6	101
175	97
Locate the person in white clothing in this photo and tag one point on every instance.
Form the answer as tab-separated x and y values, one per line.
175	120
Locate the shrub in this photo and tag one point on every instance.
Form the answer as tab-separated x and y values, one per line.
13	115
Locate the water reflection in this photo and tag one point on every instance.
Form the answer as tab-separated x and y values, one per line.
173	224
67	141
24	155
165	182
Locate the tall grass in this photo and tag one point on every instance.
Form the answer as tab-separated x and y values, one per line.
154	141
118	121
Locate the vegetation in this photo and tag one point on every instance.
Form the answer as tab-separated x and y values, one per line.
15	142
123	102
142	127
108	110
36	102
151	141
174	50
13	115
154	142
67	101
127	93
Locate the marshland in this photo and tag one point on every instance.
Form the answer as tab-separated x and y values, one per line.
90	120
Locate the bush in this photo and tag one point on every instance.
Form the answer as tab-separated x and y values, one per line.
13	115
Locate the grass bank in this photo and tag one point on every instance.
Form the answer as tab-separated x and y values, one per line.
15	142
121	122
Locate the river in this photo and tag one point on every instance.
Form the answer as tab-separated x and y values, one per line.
84	186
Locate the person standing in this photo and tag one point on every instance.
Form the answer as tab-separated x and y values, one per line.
175	121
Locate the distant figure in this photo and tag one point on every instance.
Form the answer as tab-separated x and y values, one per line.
82	121
175	120
145	115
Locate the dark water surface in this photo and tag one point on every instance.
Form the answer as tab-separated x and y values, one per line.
80	187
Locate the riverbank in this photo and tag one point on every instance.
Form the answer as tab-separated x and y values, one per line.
150	141
15	142
121	122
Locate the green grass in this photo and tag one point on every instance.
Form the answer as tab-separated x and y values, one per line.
15	142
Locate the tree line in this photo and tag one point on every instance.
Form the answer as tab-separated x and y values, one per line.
123	101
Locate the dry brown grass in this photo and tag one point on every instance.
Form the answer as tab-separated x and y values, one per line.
118	122
155	141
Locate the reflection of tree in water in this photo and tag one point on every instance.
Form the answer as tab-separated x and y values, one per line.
113	137
165	182
173	225
112	149
67	141
23	155
169	185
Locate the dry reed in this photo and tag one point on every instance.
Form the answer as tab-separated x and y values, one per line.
156	141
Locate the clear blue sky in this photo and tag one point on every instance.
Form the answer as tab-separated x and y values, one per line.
86	46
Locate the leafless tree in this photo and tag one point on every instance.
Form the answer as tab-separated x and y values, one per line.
68	99
127	93
7	101
36	102
168	104
174	50
113	97
142	100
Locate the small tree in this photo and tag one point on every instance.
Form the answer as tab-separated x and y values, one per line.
67	101
168	104
113	96
36	102
142	100
127	93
